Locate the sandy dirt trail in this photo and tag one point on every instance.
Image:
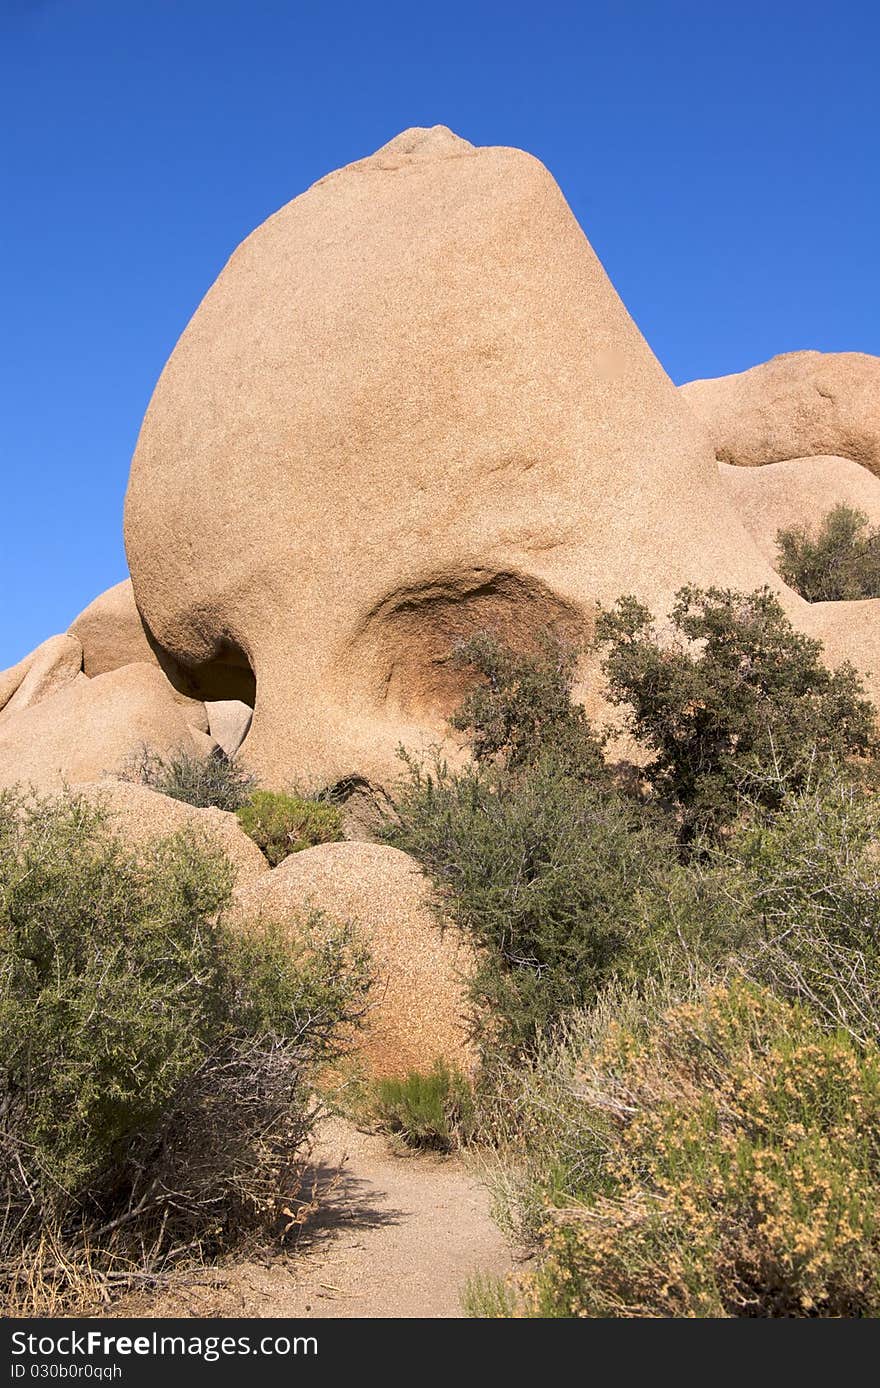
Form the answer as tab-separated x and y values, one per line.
394	1236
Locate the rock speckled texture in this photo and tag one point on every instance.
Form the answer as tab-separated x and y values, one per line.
91	728
418	1001
798	405
111	632
138	815
798	492
48	669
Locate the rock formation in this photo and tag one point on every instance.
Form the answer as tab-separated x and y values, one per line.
798	405
228	723
417	1002
91	728
411	406
54	664
111	632
793	438
798	492
138	815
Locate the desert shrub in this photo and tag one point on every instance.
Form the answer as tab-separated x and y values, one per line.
805	887
562	880
738	704
155	1075
730	1167
840	563
206	782
281	824
553	880
523	711
541	1147
488	1297
434	1108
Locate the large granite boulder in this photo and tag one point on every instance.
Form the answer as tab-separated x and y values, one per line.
797	493
411	406
418	1005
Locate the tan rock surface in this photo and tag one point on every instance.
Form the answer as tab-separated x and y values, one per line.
52	666
228	723
112	632
411	406
139	814
799	492
418	1001
203	743
90	728
798	405
849	631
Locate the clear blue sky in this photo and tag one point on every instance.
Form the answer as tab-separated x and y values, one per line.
722	158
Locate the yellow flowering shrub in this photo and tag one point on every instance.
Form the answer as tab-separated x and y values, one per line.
741	1170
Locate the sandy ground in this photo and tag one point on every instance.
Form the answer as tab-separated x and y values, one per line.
394	1236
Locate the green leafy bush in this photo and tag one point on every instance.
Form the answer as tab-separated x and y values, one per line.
840	563
551	878
523	711
729	1165
206	782
563	881
433	1109
738	704
805	887
281	824
155	1073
